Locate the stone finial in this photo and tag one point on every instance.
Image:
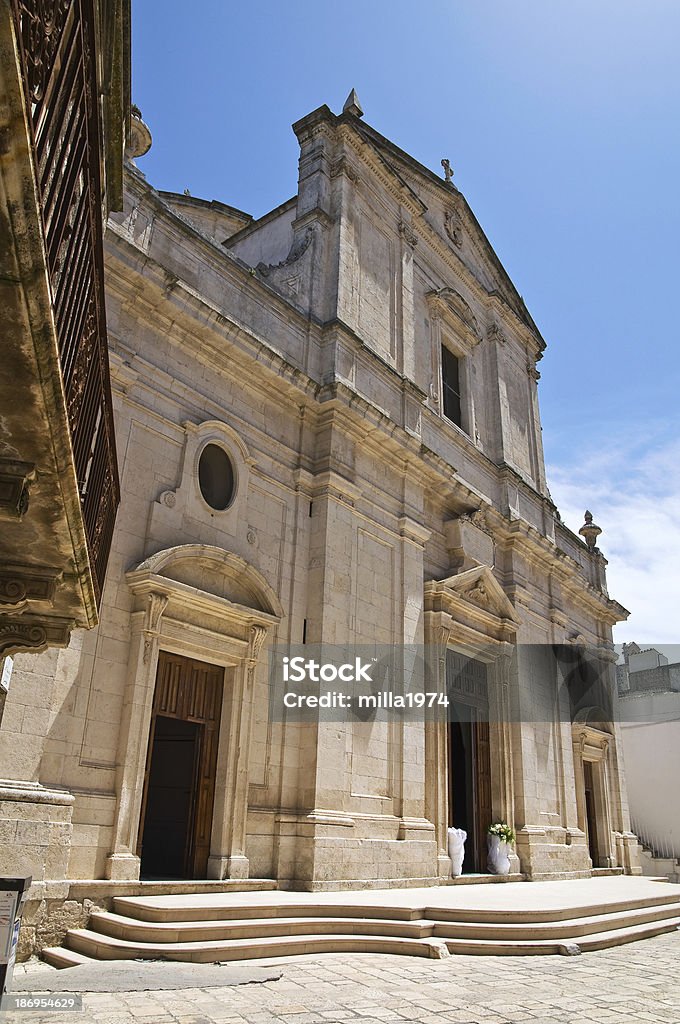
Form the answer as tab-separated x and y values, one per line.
448	173
139	141
590	531
352	105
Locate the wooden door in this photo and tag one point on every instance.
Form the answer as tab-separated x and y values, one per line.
469	755
189	691
483	789
591	820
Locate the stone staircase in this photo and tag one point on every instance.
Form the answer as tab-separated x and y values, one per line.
528	918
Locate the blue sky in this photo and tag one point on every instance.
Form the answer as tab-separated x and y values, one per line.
560	120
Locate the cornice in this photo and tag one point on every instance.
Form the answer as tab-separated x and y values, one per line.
220	257
388	177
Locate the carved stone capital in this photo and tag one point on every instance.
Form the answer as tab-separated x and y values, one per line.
344	166
496	334
408	234
532	371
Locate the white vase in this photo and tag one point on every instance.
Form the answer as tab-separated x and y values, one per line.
456	843
498	861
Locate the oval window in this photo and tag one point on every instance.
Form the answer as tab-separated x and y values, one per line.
216	477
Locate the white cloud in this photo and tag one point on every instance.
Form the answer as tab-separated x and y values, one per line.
631	484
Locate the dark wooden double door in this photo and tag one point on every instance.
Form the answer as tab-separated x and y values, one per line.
469	758
179	781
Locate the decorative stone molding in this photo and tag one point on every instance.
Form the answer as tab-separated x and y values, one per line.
20	585
592	745
453	225
413	531
224	622
470	541
408	234
344	166
532	371
15	481
299	247
449	305
154	577
496	334
33	633
139	141
156	605
475	598
169	509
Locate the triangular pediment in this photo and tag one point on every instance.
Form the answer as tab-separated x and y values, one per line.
446	210
478	587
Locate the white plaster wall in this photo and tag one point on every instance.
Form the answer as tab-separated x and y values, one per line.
650	732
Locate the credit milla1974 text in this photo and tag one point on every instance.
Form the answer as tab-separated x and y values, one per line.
367	701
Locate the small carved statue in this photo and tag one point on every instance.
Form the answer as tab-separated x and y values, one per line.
448	173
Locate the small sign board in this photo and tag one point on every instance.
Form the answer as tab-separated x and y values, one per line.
8	907
6	674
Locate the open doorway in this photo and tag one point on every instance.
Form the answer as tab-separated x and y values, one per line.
469	757
168	821
470	785
179	783
591	816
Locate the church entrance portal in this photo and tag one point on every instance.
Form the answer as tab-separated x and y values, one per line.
469	756
179	783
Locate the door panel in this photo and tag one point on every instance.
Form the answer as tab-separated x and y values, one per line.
483	789
170	798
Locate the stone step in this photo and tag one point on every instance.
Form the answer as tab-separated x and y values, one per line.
520	919
226	908
575	944
199	931
606	940
59	956
512	927
105	947
536	916
479	879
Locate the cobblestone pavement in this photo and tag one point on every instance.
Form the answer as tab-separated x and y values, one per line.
637	982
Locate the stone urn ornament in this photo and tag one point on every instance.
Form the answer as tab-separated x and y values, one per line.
456	843
500	837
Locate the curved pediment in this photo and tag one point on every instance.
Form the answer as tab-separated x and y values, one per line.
213	571
595	717
452	307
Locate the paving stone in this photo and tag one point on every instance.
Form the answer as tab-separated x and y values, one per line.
626	984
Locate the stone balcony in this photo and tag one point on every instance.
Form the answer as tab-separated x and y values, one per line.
58	474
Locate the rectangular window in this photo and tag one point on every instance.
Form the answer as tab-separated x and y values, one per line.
451	386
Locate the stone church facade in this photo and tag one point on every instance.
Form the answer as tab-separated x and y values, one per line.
328	431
